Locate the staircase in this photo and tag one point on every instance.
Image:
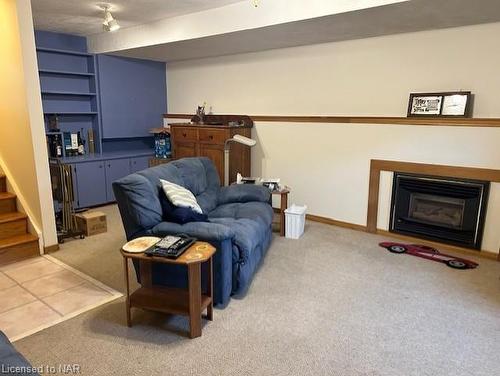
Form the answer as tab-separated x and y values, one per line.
15	241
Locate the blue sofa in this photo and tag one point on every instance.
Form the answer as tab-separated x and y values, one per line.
239	226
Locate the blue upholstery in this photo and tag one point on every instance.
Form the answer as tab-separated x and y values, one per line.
10	359
239	221
242	193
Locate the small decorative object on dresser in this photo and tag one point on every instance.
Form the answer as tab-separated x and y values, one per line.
445	104
200	114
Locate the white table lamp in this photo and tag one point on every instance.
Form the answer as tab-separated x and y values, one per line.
240	140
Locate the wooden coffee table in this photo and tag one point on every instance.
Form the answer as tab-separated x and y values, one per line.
190	302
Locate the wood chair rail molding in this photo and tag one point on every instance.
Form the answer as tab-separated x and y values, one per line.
376	166
373	120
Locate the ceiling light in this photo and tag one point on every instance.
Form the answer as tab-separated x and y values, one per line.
109	23
111	26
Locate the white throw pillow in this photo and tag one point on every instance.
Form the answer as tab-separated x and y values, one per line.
180	196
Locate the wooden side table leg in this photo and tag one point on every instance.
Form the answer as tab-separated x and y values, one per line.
210	308
194	280
284	205
127	287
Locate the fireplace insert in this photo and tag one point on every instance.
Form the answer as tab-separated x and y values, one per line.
442	209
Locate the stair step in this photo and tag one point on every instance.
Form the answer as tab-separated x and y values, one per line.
12	224
3	183
14	216
16	240
7	202
18	248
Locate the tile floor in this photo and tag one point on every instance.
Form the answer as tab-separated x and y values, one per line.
42	291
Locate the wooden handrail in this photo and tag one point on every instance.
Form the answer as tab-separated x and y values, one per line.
378	120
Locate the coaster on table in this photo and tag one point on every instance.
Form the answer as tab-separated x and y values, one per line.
140	245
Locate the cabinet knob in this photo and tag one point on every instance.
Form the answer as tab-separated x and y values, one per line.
211	137
184	135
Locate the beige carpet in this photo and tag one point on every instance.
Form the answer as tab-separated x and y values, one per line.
331	303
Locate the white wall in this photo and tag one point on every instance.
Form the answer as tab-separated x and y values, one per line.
327	164
23	152
34	102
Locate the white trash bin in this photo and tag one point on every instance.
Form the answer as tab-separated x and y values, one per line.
295	218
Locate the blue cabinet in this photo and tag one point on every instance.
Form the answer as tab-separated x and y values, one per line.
132	95
93	180
138	164
91	183
115	169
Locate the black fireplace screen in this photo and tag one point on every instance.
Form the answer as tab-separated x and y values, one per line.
437	210
442	209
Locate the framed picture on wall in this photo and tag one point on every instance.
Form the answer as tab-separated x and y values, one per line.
457	104
425	104
445	104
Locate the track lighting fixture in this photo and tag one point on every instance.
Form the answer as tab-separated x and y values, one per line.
109	23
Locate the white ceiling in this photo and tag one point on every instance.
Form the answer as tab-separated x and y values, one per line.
156	33
83	17
410	16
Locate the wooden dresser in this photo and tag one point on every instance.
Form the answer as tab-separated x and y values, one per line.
207	140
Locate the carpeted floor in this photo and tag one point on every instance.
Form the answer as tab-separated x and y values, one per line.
331	303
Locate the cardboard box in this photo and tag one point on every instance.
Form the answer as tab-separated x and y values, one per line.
91	222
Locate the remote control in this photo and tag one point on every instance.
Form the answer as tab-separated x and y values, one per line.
174	248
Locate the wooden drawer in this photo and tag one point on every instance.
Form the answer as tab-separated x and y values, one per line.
213	136
185	150
181	134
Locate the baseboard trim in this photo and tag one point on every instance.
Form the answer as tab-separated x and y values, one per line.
329	221
51	248
334	222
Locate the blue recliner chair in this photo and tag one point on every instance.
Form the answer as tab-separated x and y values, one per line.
240	221
11	361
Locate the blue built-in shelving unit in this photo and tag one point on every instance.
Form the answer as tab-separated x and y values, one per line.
132	101
69	86
119	98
